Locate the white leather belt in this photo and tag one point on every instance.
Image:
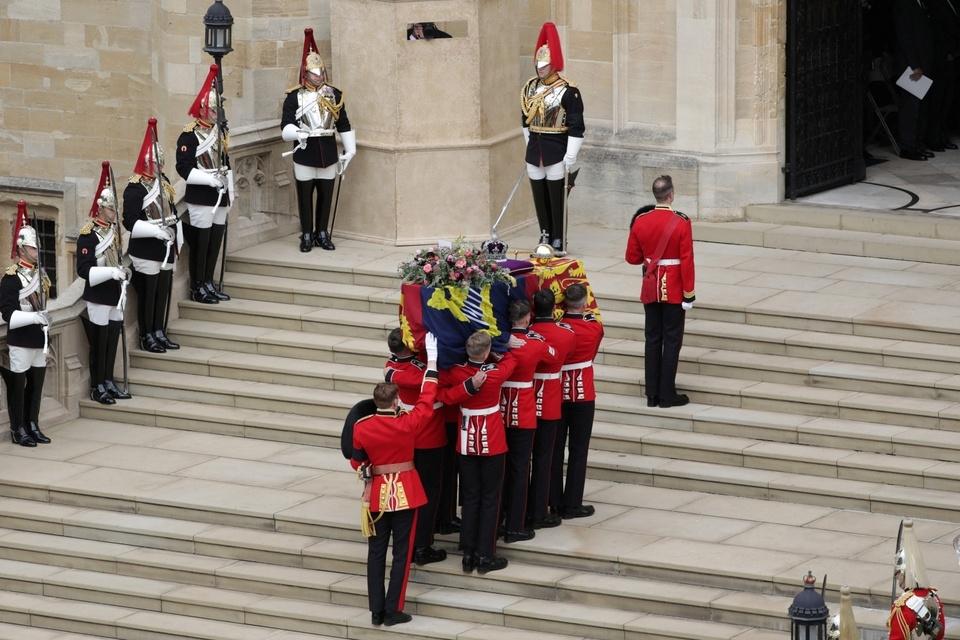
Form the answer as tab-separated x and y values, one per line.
469	413
409	407
669	262
511	384
547	376
577	365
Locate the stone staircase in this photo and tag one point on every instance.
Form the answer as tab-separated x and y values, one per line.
216	503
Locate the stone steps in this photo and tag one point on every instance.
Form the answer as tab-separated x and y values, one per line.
139	570
899	223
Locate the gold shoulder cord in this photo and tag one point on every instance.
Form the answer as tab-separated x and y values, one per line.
329	105
535	106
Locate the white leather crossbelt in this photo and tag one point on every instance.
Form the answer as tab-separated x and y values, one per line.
577	365
669	262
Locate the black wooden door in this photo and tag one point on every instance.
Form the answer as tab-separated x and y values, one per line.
824	95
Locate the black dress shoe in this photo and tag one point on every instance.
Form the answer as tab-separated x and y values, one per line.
37	435
653	401
200	294
938	148
486	564
518	536
148	342
907	154
306	243
100	394
167	343
949	145
426	555
398	617
469	562
376	618
215	292
583	511
677	401
116	392
22	437
928	154
323	241
547	522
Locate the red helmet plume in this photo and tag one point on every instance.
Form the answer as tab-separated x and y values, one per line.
148	164
205	105
18	225
104	195
548	50
310	47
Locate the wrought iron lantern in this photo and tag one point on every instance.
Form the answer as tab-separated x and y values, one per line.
809	612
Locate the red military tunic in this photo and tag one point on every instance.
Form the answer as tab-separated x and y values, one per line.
903	618
518	401
386	438
407	374
480	428
546	381
577	369
669	274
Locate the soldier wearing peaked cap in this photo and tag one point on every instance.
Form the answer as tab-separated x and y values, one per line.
313	113
98	262
23	295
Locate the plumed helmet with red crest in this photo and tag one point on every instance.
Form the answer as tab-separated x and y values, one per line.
204	107
311	60
24	235
548	51
150	160
103	197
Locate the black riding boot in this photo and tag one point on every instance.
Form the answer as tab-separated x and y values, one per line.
113	341
97	336
541	202
305	208
146	288
322	232
32	398
164	293
199	251
555	191
19	431
217	232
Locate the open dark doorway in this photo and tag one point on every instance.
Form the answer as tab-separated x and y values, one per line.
825	95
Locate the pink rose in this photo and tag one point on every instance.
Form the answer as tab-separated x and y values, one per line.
461	263
493	266
427	268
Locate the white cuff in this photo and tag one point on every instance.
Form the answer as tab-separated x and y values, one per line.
20	319
201	177
526	134
349	139
99	275
573	146
289	133
143	229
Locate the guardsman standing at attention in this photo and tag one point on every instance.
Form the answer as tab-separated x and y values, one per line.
548	390
661	239
23	297
579	399
383	456
313	113
98	262
552	123
406	371
203	162
151	218
918	612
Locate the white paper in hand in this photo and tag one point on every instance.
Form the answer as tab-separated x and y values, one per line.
918	88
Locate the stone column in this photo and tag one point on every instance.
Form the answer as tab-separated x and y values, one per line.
437	121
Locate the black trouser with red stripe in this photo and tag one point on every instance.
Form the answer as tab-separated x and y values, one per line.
481	480
397	525
576	426
663	338
543	443
517	480
429	464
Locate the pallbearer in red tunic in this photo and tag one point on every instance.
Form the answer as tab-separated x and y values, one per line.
578	406
406	371
918	612
661	240
482	445
383	446
518	403
547	389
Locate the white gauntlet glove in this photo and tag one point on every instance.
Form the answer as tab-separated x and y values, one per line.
349	140
19	319
430	344
573	150
686	306
526	134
